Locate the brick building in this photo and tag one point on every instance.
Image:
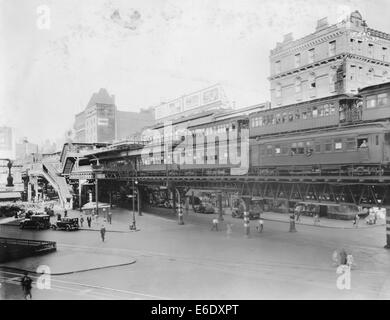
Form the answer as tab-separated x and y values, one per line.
335	59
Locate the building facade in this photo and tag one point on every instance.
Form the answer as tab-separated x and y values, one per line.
211	98
101	122
339	58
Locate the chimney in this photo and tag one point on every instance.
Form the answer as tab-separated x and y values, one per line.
288	37
322	24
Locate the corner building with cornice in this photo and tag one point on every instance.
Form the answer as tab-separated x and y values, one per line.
335	59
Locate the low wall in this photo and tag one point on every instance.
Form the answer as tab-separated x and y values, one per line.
12	249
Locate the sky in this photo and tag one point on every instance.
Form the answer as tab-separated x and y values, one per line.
145	52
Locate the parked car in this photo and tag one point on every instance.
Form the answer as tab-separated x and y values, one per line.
36	221
67	224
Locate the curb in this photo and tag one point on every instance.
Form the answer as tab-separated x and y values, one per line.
323	226
70	272
119	231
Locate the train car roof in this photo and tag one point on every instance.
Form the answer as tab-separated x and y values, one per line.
315	101
374	87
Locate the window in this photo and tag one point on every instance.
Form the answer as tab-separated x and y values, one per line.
260	121
309	113
298	86
332	109
328	146
371	102
284	118
297	115
278	68
312	81
353	72
362	142
278	118
338	144
315	112
332	48
284	150
350	144
311	55
269	150
317	147
321	111
382	99
297	60
384	53
359	46
304	115
377	140
278	91
277	149
370	51
290	117
326	110
332	80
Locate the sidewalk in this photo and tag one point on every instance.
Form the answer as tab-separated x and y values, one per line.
324	222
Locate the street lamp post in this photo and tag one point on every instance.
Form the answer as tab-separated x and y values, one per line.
179	209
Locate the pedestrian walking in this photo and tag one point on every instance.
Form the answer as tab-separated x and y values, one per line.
356	221
109	216
89	220
81	221
65	213
26	282
103	232
316	218
215	224
260	226
298	211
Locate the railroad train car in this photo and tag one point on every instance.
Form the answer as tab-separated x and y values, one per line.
376	102
204	149
362	149
319	113
342	134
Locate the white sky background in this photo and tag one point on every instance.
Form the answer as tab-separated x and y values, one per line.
171	48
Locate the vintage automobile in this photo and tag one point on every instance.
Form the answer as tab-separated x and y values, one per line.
67	224
36	221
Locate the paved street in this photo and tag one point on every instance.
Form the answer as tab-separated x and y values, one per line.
193	262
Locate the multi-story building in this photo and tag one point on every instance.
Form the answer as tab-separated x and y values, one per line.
7	143
212	98
335	59
24	149
101	122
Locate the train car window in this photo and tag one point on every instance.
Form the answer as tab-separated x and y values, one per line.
277	149
321	111
371	101
350	144
332	109
278	118
309	113
284	118
262	150
290	117
382	99
273	120
362	142
300	148
315	112
304	115
326	110
377	140
284	150
317	147
269	150
338	144
328	146
297	115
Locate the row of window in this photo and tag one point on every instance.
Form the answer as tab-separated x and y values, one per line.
377	100
356	46
325	110
309	147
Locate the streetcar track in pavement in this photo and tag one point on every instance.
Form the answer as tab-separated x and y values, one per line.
202	260
62	284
